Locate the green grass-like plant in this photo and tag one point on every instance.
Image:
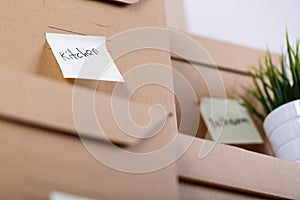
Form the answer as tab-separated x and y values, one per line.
275	86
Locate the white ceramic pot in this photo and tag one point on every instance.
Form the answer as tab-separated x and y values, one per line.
282	127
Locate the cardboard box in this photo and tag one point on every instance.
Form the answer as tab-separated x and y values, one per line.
23	33
24	26
226	79
236	171
47	104
36	162
37	105
42	152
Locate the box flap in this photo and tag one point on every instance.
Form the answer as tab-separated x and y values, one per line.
45	103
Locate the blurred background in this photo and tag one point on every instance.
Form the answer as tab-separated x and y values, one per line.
252	23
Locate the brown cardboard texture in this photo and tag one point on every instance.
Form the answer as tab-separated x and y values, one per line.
24	26
226	79
48	104
36	107
24	34
36	162
227	56
193	191
238	170
231	87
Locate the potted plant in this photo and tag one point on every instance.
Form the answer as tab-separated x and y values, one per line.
277	90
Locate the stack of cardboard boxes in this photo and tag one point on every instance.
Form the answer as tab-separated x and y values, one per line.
41	150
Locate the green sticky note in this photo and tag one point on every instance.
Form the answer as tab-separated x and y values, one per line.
229	122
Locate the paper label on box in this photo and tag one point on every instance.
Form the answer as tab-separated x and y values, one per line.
229	120
83	57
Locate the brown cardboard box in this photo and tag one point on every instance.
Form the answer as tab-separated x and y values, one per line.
24	24
48	104
228	171
42	153
224	69
233	85
36	162
36	108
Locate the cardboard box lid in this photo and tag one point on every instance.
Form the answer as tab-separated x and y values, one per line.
49	104
239	170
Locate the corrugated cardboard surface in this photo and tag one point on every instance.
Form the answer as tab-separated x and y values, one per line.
239	170
194	192
232	86
37	158
24	25
176	14
229	79
49	104
229	172
226	55
36	162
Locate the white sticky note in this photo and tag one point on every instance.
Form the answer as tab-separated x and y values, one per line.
65	196
229	122
83	57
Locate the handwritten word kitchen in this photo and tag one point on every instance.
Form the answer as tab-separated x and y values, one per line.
77	54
